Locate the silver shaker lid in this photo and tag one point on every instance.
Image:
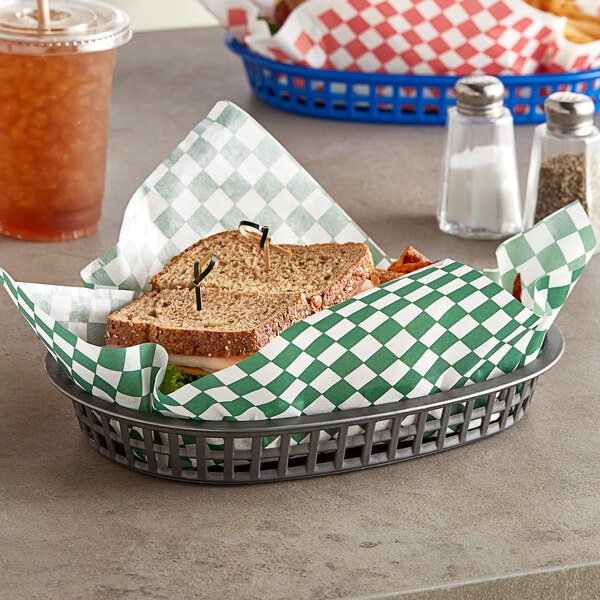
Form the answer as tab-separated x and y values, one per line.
569	114
479	96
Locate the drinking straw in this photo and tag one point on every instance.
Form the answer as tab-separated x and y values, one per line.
43	9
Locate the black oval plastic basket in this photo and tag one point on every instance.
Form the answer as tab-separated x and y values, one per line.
279	449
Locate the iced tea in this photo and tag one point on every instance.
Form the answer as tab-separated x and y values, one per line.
54	112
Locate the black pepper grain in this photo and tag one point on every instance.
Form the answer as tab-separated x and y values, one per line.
562	180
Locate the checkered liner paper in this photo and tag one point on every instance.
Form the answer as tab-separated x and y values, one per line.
425	37
442	327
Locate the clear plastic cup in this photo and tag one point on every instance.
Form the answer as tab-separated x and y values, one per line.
55	87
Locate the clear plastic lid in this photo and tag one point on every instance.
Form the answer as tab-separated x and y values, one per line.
74	27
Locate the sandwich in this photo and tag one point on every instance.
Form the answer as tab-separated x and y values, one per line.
244	306
283	8
281	11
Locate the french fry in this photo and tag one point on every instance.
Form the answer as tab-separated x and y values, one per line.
539	4
410	267
575	35
410	255
581	28
585	27
518	288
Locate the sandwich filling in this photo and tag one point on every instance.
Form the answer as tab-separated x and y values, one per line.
204	365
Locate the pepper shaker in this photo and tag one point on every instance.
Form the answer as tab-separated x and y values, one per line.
480	188
565	159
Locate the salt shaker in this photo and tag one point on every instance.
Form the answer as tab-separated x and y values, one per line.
480	189
565	159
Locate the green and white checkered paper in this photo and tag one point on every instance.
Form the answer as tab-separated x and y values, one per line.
227	169
439	328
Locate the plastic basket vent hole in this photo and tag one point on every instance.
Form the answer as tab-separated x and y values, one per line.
319	103
339	105
361	106
408	92
521	109
595	84
385	108
284	96
282	79
361	89
544	90
431	92
431	109
301	100
565	87
317	85
337	87
523	92
539	109
581	87
450	93
267	73
299	82
385	91
408	109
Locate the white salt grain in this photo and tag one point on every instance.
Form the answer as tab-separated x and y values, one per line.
483	191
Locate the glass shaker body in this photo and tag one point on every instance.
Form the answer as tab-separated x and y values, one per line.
480	189
563	169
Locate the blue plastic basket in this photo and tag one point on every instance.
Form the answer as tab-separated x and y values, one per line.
383	98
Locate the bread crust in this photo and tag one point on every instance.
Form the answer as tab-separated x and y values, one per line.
347	285
124	332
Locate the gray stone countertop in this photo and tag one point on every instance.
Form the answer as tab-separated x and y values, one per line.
74	525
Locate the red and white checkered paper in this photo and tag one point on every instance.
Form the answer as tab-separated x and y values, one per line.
426	37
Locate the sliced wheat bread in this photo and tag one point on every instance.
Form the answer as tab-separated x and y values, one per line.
229	324
326	273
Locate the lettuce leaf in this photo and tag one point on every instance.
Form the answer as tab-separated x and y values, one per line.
176	378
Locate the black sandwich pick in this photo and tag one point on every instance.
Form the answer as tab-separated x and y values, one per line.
209	261
261	235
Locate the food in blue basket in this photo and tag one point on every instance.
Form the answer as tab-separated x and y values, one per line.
580	27
325	273
283	8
